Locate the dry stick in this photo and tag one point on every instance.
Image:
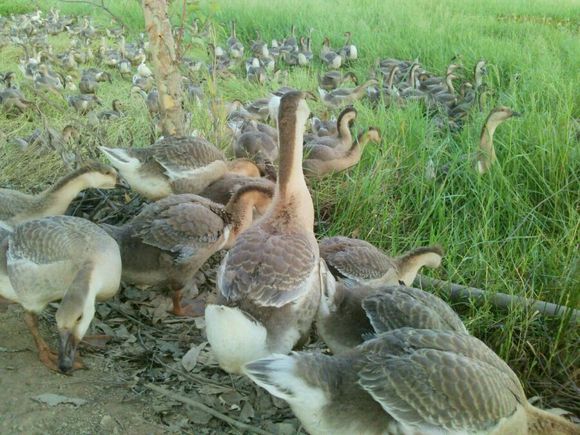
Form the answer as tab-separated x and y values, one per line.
502	300
207	409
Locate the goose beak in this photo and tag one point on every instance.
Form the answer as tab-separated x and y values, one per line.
67	351
517	114
310	96
122	183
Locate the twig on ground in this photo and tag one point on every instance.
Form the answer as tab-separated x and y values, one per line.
207	409
457	292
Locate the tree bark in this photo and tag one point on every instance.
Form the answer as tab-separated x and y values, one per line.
165	66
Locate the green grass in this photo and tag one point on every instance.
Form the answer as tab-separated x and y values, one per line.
515	230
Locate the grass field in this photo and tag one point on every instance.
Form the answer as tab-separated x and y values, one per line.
514	230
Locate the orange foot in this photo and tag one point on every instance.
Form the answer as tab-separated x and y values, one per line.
195	308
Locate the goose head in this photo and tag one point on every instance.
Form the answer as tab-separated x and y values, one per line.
500	114
98	175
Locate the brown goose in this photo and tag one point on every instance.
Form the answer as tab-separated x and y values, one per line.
343	96
17	207
343	321
222	190
59	257
343	140
253	142
175	165
269	282
485	156
165	245
323	160
333	79
358	262
406	381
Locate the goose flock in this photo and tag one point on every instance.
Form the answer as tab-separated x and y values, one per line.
402	361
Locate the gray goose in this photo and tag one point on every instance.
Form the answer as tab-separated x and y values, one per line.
358	262
269	282
174	165
176	235
323	160
17	207
406	381
343	323
333	79
343	96
254	142
59	257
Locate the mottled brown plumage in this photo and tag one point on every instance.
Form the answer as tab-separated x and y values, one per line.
406	381
357	261
166	244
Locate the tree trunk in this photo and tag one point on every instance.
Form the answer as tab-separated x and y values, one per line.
165	66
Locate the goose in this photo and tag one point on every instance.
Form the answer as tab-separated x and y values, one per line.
12	98
321	128
343	140
485	156
176	235
343	324
235	47
406	381
343	96
259	48
254	143
333	79
290	43
358	262
174	165
269	282
18	207
323	160
349	51
479	71
46	80
330	57
59	257
49	139
222	190
115	112
83	103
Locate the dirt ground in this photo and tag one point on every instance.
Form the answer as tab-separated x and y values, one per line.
148	346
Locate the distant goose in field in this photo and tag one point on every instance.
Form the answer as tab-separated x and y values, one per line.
59	257
46	80
406	381
343	140
345	313
356	261
329	56
17	207
485	156
322	128
269	282
174	165
254	143
349	52
49	139
344	96
259	48
322	160
115	112
83	103
165	245
235	47
333	79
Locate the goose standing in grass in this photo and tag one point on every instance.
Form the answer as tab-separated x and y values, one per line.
17	207
343	140
253	143
176	235
322	160
269	282
485	156
344	96
356	261
12	98
343	323
59	257
175	165
235	47
333	79
330	57
348	52
406	381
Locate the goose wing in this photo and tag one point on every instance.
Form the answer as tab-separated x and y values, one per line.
439	379
271	269
184	154
354	259
182	225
